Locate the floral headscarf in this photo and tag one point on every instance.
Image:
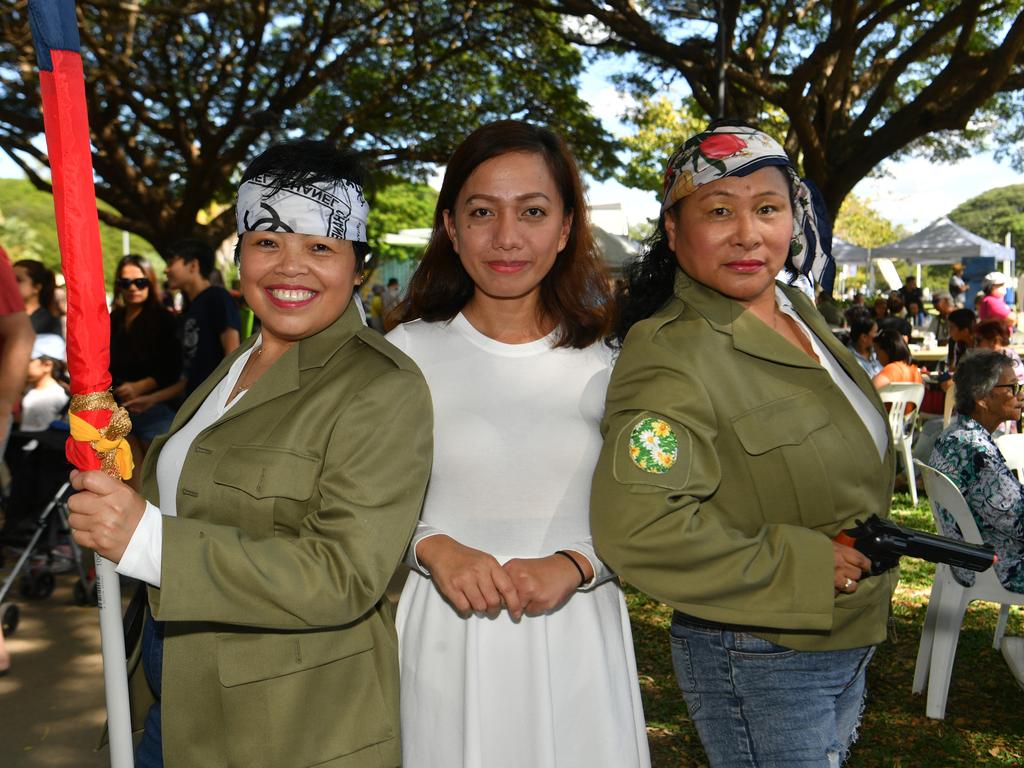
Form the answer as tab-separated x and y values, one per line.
737	150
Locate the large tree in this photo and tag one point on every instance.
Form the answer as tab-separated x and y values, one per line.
181	93
857	81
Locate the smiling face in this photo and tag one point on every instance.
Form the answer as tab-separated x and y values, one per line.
733	235
508	225
133	295
296	284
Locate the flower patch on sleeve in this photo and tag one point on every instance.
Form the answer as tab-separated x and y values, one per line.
653	446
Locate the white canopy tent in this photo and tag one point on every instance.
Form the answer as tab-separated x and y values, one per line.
848	253
943	242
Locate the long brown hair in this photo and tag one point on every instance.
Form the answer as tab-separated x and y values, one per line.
575	291
134	260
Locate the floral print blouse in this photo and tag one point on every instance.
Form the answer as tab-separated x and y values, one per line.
967	453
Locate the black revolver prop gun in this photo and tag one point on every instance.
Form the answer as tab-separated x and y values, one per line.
884	543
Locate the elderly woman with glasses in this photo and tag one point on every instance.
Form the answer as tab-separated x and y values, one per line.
987	394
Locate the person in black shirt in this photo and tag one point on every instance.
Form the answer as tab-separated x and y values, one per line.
910	293
209	325
144	352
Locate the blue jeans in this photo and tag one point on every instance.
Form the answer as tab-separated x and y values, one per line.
149	753
757	704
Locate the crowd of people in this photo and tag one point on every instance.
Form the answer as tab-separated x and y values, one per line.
520	437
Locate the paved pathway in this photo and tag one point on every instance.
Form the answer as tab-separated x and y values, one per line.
51	702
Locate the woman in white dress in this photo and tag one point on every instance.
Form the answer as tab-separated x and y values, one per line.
514	637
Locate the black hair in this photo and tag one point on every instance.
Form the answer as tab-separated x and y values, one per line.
43	277
194	249
962	318
860	325
855	311
309	161
891	342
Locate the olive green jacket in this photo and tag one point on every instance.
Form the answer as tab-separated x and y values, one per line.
771	462
293	512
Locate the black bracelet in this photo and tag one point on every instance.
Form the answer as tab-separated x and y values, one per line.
583	576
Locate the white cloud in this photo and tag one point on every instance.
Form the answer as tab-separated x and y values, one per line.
915	192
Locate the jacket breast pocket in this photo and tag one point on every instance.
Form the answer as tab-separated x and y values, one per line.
789	449
301	698
263	473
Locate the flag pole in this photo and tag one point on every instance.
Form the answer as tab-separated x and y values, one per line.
98	426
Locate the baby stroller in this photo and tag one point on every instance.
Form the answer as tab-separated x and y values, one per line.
36	521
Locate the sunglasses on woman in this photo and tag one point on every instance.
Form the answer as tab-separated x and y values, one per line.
124	283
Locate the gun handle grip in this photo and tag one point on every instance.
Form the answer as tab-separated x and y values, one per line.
845	539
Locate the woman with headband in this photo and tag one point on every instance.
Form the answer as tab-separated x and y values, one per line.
740	438
276	511
515	642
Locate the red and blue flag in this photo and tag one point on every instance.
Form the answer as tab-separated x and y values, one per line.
66	121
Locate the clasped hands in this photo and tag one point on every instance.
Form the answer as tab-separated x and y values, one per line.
473	581
104	513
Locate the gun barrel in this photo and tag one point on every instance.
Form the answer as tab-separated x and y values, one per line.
884	542
938	549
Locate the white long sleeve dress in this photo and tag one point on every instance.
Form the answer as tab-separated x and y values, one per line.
516	438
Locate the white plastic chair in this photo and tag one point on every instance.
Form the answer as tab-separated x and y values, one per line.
902	423
1012	448
949	599
947	405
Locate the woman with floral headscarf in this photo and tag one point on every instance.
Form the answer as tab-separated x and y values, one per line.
741	437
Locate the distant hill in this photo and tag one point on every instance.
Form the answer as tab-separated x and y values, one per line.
994	213
28	230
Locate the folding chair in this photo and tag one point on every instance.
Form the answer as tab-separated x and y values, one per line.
949	598
902	422
1012	448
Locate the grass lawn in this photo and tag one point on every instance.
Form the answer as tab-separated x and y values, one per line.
984	723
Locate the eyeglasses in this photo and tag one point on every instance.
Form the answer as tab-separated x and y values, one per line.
125	283
1015	387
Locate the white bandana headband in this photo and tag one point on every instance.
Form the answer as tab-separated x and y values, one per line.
336	209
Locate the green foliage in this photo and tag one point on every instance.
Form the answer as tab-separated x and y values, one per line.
181	96
29	230
639	231
994	213
399	205
19	239
660	127
860	224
